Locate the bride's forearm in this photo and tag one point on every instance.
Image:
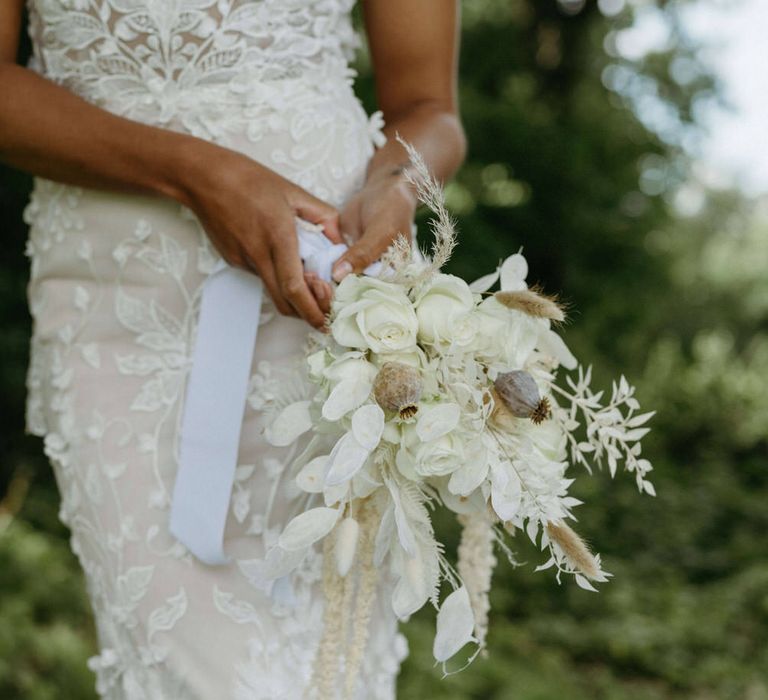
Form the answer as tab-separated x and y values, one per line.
434	131
48	131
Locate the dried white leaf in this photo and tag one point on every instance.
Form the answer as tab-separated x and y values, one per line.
368	425
293	421
484	283
583	582
513	272
552	344
312	474
436	421
345	460
467	477
307	528
455	622
347	395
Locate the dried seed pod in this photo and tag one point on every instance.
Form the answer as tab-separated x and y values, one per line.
520	395
576	552
346	544
533	303
397	387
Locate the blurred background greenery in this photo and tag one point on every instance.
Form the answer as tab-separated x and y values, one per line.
582	156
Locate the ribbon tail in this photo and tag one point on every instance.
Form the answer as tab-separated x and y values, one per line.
213	411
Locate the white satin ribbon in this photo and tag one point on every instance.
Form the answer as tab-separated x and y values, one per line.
216	393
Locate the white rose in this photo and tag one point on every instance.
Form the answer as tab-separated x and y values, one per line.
505	335
417	358
433	458
371	313
445	312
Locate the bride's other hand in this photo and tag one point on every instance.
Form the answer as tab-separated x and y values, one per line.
414	49
374	218
249	214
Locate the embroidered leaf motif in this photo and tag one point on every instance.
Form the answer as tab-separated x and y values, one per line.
164	618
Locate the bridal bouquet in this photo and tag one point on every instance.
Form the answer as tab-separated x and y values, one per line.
432	392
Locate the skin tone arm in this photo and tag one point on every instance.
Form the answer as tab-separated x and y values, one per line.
247	210
414	48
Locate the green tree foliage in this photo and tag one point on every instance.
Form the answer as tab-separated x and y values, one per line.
575	155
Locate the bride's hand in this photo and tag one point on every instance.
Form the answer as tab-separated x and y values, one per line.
248	212
373	219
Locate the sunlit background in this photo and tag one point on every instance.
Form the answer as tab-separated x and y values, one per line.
623	145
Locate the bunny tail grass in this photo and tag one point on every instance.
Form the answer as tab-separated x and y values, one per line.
575	550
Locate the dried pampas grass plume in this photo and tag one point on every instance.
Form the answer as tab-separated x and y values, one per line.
576	552
396	261
533	303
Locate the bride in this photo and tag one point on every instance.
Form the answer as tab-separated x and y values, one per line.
165	136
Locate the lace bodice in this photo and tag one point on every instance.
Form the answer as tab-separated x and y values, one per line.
189	60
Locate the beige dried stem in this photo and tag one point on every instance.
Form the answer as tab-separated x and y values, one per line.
430	193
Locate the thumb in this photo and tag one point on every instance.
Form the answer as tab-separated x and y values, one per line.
356	259
319	212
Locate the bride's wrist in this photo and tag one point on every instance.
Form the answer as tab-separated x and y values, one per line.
394	177
189	167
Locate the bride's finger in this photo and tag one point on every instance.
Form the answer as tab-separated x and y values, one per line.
290	277
319	212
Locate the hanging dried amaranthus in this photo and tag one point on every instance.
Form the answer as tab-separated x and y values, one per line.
475	565
349	598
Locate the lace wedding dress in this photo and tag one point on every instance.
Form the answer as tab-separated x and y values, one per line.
114	293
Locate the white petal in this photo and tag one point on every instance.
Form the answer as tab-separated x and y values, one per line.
552	344
312	475
384	535
291	422
514	270
506	492
438	420
346	459
404	531
455	623
474	503
467	477
308	527
334	494
345	396
368	425
410	593
484	283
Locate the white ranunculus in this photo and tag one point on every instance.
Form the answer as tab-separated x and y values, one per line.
445	312
371	313
438	457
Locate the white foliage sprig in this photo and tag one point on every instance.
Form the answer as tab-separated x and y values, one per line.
612	430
